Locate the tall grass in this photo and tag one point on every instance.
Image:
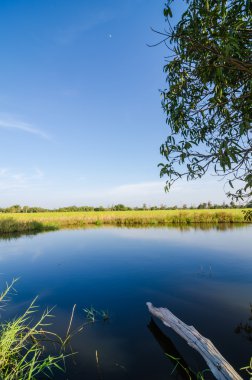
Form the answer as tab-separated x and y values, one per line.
10	223
29	349
25	345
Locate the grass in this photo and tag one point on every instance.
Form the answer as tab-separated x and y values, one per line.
248	368
22	222
188	373
26	343
11	225
29	349
93	315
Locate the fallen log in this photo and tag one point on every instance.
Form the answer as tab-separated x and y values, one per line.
219	366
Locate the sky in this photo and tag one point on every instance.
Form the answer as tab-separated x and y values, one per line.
81	121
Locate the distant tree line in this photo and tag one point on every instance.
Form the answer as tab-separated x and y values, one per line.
121	207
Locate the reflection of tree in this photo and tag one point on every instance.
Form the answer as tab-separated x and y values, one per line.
246	328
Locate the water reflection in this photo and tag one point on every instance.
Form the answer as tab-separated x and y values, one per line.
178	227
17	235
245	329
205	271
169	348
203	276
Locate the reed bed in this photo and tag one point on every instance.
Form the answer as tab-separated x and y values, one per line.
21	222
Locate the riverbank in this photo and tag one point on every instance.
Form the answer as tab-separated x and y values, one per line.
22	222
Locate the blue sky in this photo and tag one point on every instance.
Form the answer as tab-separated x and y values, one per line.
80	112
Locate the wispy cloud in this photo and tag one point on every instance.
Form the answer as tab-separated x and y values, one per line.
69	34
34	187
144	188
11	123
131	194
38	174
151	193
11	180
3	171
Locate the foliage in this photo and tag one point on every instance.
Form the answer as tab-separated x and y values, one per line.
17	209
208	99
247	215
120	207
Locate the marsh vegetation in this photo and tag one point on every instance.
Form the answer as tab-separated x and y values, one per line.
25	222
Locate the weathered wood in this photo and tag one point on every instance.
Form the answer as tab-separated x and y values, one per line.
219	366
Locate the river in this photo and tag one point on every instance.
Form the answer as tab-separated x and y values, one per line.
203	275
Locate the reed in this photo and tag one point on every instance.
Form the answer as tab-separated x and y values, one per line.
26	346
11	225
248	368
21	222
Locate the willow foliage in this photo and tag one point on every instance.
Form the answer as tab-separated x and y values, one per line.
208	97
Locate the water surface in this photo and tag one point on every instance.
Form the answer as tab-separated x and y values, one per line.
202	276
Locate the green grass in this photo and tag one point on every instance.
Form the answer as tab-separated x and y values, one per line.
248	368
29	349
19	222
26	345
11	225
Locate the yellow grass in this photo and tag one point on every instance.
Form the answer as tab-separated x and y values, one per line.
127	218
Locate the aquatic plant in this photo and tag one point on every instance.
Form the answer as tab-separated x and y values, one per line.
190	374
93	315
248	368
27	347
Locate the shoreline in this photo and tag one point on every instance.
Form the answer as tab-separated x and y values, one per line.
48	221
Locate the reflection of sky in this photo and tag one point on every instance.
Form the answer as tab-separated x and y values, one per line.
230	240
217	239
205	277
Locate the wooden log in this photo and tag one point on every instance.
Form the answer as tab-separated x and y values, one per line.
219	366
